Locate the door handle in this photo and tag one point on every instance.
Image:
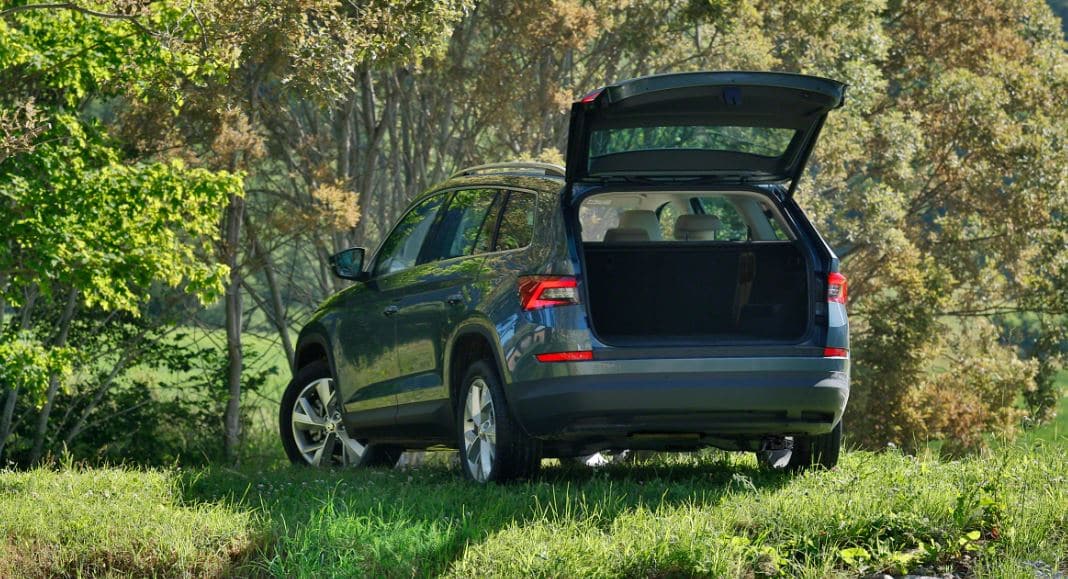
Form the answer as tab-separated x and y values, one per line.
454	299
389	311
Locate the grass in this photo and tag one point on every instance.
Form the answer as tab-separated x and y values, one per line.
1004	513
114	522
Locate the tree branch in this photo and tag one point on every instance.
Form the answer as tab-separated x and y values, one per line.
75	8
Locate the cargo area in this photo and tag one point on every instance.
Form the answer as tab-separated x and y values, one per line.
693	268
701	293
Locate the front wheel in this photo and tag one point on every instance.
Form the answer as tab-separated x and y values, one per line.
492	445
311	428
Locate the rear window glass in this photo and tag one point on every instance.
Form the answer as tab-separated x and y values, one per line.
680	217
762	141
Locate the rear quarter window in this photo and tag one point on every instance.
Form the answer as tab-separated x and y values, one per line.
732	226
516	228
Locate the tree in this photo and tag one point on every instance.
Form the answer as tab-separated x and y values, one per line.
301	61
86	225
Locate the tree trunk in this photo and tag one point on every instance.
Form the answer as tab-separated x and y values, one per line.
53	381
232	417
6	393
3	302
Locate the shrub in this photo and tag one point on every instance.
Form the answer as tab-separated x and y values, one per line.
963	386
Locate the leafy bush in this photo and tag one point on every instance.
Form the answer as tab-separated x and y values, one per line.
167	407
168	412
963	385
978	392
1043	339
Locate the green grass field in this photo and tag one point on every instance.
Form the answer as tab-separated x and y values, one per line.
1004	513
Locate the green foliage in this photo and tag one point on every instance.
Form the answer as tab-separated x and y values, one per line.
78	210
1043	339
26	365
942	185
167	410
1060	8
113	231
86	219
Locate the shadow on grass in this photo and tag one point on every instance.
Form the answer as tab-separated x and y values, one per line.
405	522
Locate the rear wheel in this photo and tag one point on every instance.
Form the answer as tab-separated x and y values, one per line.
492	445
820	451
311	428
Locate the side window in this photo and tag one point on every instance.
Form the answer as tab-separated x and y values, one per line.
401	248
732	227
459	226
517	222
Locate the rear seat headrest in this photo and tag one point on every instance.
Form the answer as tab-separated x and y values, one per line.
691	227
625	234
641	219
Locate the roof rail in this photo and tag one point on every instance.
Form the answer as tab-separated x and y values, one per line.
546	168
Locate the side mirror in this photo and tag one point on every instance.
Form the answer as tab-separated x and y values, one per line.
348	264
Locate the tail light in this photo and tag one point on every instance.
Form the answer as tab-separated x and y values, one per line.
543	291
835	353
837	288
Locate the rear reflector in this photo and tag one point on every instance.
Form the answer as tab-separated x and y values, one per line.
835	353
577	356
542	291
837	288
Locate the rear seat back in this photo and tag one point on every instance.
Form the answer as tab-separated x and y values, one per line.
625	234
693	227
642	219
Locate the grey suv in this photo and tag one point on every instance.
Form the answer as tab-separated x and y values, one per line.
664	292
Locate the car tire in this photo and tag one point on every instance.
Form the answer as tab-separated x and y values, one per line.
820	451
319	438
493	447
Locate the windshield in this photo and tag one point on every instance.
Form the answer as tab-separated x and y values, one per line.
763	141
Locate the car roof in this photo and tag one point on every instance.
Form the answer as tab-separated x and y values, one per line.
543	184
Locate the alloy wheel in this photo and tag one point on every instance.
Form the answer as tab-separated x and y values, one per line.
318	431
480	430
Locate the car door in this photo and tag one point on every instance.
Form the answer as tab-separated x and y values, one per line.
367	363
440	294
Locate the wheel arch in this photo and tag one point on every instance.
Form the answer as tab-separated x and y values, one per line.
471	342
311	348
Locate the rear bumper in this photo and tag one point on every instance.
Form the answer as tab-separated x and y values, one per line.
738	401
